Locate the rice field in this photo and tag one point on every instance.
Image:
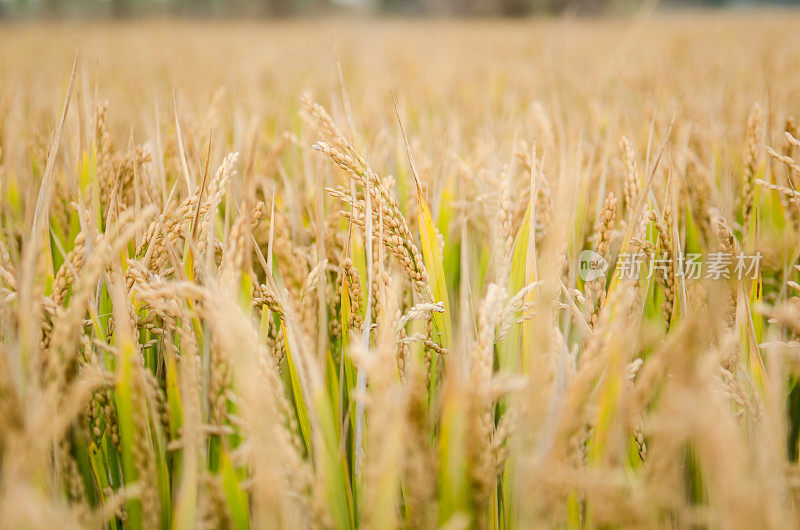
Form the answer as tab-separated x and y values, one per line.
401	273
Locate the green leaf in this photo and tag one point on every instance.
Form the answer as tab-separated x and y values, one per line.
432	256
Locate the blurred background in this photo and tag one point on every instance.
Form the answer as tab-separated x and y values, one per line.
22	9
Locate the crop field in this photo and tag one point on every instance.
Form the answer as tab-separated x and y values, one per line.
406	273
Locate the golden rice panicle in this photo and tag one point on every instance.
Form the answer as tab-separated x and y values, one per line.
102	146
353	284
236	256
544	196
420	457
144	457
789	131
666	262
605	224
215	512
292	259
699	191
727	245
385	211
502	228
505	214
73	263
219	382
632	183
792	143
207	214
751	163
788	196
791	165
481	403
386	402
60	353
316	114
725	236
603	233
268	422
